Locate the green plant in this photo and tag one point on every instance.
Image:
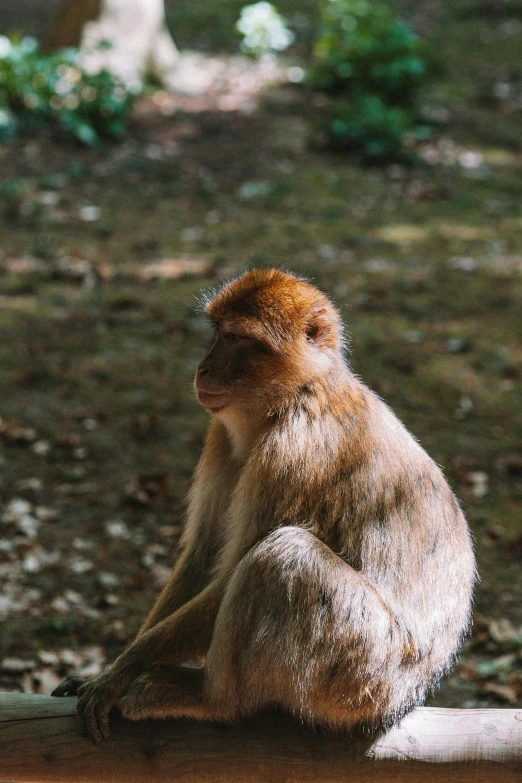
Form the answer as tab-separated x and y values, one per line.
39	90
374	68
373	130
363	46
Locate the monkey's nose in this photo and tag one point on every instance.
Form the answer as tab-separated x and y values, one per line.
202	371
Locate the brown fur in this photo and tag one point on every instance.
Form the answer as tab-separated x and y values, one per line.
326	567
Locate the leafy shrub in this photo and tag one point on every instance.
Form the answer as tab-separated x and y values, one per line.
375	68
264	31
372	130
39	90
363	46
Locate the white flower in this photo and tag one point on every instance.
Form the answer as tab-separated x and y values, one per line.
5	119
264	30
5	46
28	44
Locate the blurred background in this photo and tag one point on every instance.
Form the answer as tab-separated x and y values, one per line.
149	152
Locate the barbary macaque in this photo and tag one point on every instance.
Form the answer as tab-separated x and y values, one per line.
326	568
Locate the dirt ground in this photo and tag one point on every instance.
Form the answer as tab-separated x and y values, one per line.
102	255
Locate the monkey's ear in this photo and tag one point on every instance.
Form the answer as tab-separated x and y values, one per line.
319	325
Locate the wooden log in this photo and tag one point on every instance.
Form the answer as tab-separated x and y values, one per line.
40	743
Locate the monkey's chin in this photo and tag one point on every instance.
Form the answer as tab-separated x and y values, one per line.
213	402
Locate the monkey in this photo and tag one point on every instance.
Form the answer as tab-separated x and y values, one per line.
326	569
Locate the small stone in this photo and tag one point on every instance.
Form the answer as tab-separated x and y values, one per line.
34	484
251	190
48	198
60	605
161	575
327	252
90	213
212	218
31	564
47	657
92	669
192	234
82	545
465	407
108	580
456	345
70	657
414	337
169	531
117	529
465	264
45	681
79	566
41	448
45	514
16	665
479	483
28	525
15	509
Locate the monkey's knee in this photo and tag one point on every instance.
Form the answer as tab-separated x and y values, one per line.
289	566
285	550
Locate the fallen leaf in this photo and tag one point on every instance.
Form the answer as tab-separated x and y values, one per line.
502	692
503	631
170	268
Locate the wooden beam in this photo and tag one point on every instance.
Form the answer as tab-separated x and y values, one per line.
40	743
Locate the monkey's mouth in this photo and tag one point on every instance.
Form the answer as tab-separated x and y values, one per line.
212	401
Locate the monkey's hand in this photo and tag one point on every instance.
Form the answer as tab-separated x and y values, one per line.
96	699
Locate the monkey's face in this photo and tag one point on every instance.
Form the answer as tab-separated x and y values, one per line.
237	369
273	333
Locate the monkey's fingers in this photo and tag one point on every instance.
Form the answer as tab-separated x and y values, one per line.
69	687
94	720
93	714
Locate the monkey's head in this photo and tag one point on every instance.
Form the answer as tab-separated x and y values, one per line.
274	332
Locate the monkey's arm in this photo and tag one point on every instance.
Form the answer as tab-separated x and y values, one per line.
184	635
209	498
189	577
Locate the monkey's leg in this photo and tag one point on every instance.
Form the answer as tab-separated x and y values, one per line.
165	691
301	629
298	628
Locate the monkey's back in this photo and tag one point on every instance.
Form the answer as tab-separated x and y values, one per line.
405	532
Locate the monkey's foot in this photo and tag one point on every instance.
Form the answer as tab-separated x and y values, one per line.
69	687
141	698
165	692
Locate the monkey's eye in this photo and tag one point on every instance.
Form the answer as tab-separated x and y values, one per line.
233	337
